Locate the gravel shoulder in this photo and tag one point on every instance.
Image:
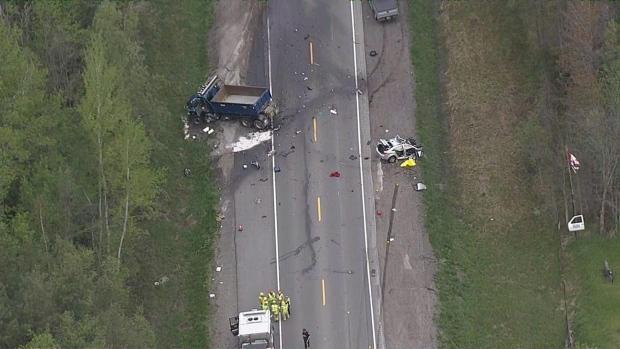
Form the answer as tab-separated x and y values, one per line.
230	62
407	263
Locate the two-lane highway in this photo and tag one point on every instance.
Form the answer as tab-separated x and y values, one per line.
322	236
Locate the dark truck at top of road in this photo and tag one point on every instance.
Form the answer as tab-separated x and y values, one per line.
215	100
384	9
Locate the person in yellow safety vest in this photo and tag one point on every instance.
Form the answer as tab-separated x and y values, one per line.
275	311
272	296
287	300
265	304
280	297
261	297
284	308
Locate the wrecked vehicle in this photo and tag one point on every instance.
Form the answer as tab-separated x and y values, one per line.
215	100
399	148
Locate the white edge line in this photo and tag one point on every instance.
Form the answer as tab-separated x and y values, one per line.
359	141
273	165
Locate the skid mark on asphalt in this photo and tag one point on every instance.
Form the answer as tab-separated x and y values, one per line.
298	250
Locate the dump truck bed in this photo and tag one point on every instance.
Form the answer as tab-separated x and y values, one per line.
238	94
240	100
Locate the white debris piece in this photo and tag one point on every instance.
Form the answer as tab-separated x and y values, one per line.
305	78
218	269
211	295
252	140
333	111
206	129
420	186
210	131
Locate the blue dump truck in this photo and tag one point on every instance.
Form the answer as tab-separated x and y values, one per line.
384	10
253	106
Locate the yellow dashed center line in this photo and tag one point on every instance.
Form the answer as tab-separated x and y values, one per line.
314	121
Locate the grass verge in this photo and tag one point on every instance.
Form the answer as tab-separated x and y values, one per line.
498	278
595	302
180	242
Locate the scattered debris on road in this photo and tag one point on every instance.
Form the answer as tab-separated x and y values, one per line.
276	169
218	269
250	141
245	167
257	201
256	164
220	216
419	187
373	53
379	212
335	174
240	228
353	157
333	111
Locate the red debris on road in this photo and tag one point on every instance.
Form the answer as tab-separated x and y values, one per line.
335	174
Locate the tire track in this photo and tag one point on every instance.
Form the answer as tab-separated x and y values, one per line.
393	69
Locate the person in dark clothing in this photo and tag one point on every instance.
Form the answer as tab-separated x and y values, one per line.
306	336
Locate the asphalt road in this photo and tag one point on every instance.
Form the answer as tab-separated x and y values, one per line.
320	219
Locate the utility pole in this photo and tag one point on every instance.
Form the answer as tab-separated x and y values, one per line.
570	177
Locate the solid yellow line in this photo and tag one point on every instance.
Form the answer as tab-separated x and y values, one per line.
311	55
323	286
318	202
314	120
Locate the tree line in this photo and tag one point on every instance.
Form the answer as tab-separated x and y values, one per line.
77	181
577	45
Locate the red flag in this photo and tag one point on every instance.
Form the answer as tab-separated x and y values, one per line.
574	163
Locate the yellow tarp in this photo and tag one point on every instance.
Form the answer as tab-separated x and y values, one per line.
408	163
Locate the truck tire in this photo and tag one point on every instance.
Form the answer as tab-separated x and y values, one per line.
246	122
260	124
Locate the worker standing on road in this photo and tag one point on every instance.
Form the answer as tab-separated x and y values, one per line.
284	308
280	296
306	336
275	310
265	303
272	296
261	298
287	300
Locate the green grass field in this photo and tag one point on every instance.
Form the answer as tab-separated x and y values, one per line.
181	242
498	279
594	301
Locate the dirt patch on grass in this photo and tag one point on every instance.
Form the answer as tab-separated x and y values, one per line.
231	38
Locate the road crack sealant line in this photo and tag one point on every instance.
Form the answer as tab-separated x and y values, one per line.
273	166
359	141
